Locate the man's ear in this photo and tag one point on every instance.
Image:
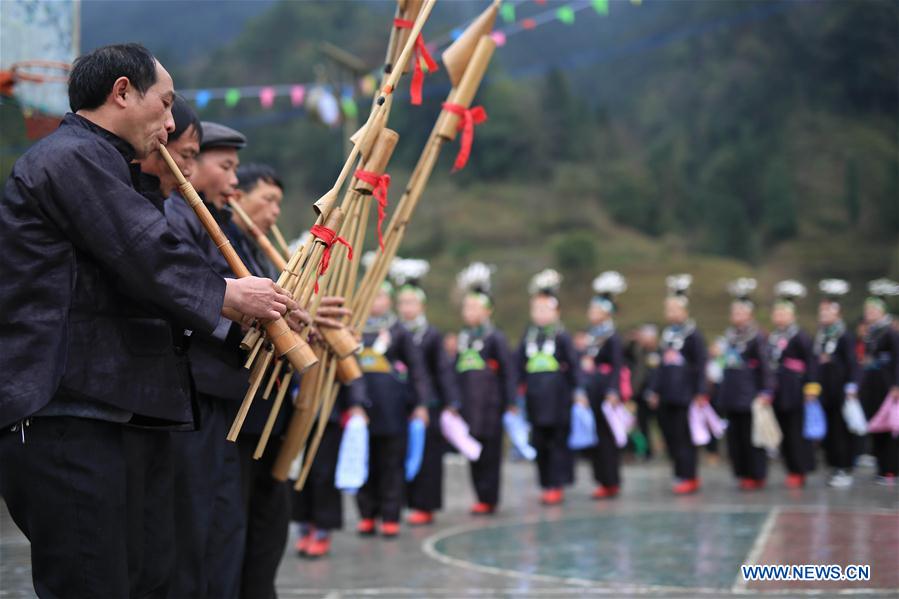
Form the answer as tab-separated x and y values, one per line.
122	91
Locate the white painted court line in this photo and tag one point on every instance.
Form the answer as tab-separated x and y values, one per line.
757	547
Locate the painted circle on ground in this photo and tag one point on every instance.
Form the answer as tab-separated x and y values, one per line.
654	549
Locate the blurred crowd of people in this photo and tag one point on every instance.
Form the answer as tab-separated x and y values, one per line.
599	394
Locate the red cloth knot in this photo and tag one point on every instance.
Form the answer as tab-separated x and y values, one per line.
329	237
468	119
421	54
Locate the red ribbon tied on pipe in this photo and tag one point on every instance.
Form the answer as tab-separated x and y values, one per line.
381	184
329	237
421	53
468	119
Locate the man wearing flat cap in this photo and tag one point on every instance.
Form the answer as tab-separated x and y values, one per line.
210	514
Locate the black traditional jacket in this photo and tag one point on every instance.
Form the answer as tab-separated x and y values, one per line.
93	282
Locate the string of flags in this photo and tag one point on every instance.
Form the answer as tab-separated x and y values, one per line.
329	104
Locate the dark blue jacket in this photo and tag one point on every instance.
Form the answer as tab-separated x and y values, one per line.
796	366
488	390
681	372
746	375
91	281
602	374
549	395
837	368
392	394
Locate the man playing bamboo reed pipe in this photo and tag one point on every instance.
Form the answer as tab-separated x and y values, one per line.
210	518
266	501
94	283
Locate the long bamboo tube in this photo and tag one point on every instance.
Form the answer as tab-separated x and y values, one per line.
256	381
282	243
286	344
300	424
267	248
273	414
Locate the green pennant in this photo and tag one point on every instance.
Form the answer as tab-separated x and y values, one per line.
601	6
566	15
232	97
507	12
350	110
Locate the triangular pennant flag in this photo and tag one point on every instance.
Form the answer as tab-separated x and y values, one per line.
297	94
202	98
499	38
232	97
601	6
528	24
267	97
507	12
348	104
566	15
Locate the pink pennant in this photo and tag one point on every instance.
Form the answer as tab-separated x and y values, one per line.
499	38
297	94
267	97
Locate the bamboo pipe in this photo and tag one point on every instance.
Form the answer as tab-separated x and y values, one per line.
284	280
282	243
276	372
445	129
296	429
256	378
267	248
294	349
468	86
326	204
330	395
273	415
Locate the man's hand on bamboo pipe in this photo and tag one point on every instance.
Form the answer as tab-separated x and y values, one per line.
258	298
331	312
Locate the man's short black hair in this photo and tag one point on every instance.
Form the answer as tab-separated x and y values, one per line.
94	73
249	175
185	117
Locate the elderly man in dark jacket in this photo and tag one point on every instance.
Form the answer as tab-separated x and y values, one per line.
96	290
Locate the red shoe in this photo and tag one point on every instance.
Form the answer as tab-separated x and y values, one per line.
420	518
795	481
319	547
752	484
686	487
390	529
552	497
482	509
303	542
366	526
602	492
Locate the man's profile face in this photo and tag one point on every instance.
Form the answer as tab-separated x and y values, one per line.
150	120
216	175
262	204
183	151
